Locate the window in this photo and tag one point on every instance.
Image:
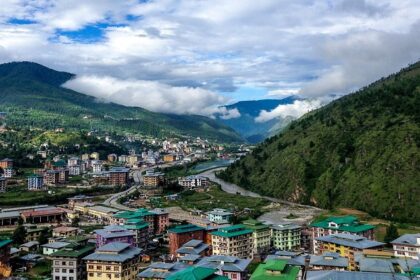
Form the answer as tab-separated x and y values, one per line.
70	263
57	270
63	263
57	277
109	275
71	278
98	267
64	270
90	274
64	278
71	270
108	268
57	262
90	266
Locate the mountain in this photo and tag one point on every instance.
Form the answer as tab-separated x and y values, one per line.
32	96
360	151
247	126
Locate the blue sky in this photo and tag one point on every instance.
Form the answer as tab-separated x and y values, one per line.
190	57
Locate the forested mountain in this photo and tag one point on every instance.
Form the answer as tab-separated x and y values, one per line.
246	125
32	97
360	151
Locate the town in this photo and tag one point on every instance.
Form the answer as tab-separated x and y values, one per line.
128	227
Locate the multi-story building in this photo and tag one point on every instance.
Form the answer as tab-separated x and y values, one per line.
63	175
114	233
229	266
328	261
51	177
161	270
161	220
68	263
141	213
133	159
197	273
169	158
3	184
6	163
261	235
219	216
65	231
286	237
78	199
193	247
122	158
343	224
35	183
118	176
44	215
275	270
96	166
94	156
85	157
407	245
181	234
99	212
140	229
8	172
193	182
114	260
75	170
73	161
234	241
346	245
153	179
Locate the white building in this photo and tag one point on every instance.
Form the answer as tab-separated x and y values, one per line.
8	172
35	183
73	161
193	182
74	170
219	216
407	245
96	166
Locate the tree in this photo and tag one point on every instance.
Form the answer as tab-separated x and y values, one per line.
75	222
43	236
391	233
19	235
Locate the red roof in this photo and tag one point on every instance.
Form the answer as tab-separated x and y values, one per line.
46	212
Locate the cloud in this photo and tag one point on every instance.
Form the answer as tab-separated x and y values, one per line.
228	114
295	110
151	95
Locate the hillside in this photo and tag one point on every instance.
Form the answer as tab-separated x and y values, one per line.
360	151
246	126
31	95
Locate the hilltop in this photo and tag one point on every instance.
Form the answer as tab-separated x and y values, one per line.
360	151
32	96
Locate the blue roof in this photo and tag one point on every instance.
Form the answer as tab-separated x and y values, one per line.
160	270
225	263
115	251
408	239
329	259
350	240
351	275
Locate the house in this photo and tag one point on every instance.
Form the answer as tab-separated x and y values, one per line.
328	261
181	234
346	245
261	235
233	241
160	270
275	270
193	247
50	248
114	233
114	260
30	246
35	183
219	216
407	245
197	273
286	237
229	266
68	263
3	184
64	231
342	224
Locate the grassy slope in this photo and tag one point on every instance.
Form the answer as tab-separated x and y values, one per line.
361	151
31	94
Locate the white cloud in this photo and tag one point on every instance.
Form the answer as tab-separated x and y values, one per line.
282	93
151	95
228	114
295	110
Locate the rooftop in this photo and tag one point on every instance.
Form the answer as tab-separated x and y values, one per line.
197	273
408	239
275	270
195	247
56	245
184	228
254	225
343	223
351	275
114	231
160	270
74	252
4	242
225	263
232	231
115	251
139	213
350	240
329	259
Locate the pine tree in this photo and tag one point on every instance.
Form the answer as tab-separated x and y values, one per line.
19	235
391	233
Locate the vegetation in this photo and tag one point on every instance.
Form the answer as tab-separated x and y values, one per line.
391	233
32	97
360	151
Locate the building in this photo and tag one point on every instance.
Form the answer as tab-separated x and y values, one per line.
161	270
3	184
140	229
75	170
219	216
141	213
94	156
153	179
181	234
346	245
8	172
286	237
6	163
51	177
68	263
63	175
30	246
114	233
161	220
73	161
275	270
193	182
50	248
233	241
112	157
102	213
193	247
197	273
407	245
343	224
44	215
119	176
64	231
169	158
32	232
133	159
261	235
35	183
97	166
78	199
114	260
328	261
231	267
352	275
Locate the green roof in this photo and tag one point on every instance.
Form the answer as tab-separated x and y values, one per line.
345	223
74	252
197	273
254	225
139	213
4	242
232	231
59	163
136	224
275	270
185	228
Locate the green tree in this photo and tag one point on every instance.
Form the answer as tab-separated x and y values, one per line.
43	237
75	222
19	235
391	233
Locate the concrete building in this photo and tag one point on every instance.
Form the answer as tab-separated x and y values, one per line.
141	213
275	270
119	176
161	270
161	220
50	248
140	229
35	183
193	247
407	245
114	233
346	245
101	213
219	216
181	234
73	161
197	273
193	182
44	215
153	179
352	275
229	266
6	163
261	235
8	172
328	261
286	237
97	166
75	170
113	261
78	199
51	177
94	156
233	241
68	263
65	231
3	184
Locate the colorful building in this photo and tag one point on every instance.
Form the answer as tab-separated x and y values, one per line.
275	270
193	247
181	234
286	237
114	233
161	270
161	220
234	241
261	235
35	183
141	213
197	273
153	179
141	230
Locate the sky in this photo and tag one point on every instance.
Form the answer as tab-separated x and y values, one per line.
191	56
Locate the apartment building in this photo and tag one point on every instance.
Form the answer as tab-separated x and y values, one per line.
119	176
286	237
114	233
261	235
234	241
219	216
140	229
6	163
407	245
35	183
193	182
68	263
181	234
153	179
229	266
